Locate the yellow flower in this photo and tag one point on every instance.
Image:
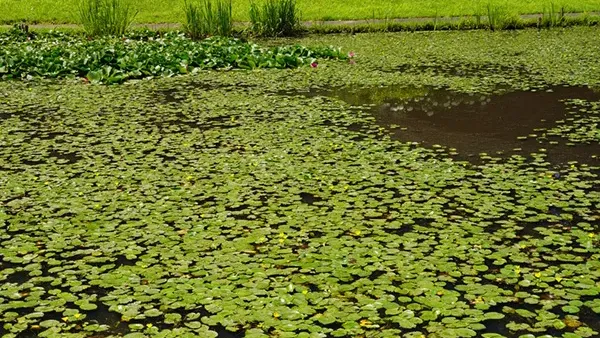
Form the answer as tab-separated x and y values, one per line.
538	274
276	314
365	322
591	235
149	325
77	315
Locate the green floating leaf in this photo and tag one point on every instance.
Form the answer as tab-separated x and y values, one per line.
570	309
49	323
152	313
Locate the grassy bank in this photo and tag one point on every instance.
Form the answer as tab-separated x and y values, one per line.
153	11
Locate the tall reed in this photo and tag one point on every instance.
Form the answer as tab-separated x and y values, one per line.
499	18
105	17
206	18
275	18
553	16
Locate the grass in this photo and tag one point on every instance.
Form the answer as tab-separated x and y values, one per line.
205	18
467	23
500	18
105	17
553	16
275	18
155	11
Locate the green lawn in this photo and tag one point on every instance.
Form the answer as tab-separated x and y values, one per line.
158	11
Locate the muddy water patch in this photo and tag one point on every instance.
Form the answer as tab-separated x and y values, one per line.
469	124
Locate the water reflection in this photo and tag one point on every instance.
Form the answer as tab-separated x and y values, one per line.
474	123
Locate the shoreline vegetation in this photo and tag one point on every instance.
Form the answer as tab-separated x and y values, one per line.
529	21
47	11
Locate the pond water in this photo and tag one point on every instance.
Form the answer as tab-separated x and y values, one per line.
105	232
496	124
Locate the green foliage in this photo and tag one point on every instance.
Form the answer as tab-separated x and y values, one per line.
499	18
275	18
12	11
199	205
18	32
206	18
114	60
467	23
553	16
105	17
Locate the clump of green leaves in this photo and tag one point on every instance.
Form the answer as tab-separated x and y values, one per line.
553	16
114	60
275	18
206	18
499	18
105	17
18	32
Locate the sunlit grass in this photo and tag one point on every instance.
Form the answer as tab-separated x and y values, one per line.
275	18
154	11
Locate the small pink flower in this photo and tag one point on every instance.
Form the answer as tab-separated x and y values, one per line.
351	55
314	65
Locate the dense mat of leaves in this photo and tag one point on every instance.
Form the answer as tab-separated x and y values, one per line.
215	205
114	60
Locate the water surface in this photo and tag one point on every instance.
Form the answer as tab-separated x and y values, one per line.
495	124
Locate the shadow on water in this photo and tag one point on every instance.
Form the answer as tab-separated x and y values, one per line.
465	69
181	92
472	123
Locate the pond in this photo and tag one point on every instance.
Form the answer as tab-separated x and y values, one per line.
224	204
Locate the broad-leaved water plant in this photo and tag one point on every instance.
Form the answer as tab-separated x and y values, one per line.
114	60
239	204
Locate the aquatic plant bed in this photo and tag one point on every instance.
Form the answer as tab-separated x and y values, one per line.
139	55
287	202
